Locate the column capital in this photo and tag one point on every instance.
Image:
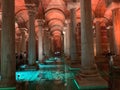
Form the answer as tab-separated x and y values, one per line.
23	30
40	22
30	6
73	5
31	9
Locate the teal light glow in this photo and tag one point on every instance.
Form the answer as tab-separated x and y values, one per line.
42	74
50	66
8	88
89	87
76	84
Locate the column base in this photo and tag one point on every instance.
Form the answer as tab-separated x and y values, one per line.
91	83
90	79
8	88
89	71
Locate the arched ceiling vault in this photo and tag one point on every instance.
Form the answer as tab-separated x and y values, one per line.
100	9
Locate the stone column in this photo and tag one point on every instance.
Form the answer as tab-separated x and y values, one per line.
23	41
8	62
72	35
18	38
67	40
46	43
111	39
51	46
104	40
40	41
31	39
18	42
116	26
98	39
87	51
88	71
78	41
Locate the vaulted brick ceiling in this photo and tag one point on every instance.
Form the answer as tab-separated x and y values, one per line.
99	8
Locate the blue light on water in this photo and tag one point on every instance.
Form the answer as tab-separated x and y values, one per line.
41	74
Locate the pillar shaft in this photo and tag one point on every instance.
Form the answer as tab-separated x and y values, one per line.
31	39
88	70
46	43
104	40
8	62
87	53
78	41
111	39
18	43
51	45
67	40
40	41
23	41
116	24
98	39
72	35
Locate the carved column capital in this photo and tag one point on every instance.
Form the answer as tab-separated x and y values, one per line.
40	22
31	9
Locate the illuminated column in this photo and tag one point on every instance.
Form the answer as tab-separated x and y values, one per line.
65	41
116	26
78	41
17	40
18	44
72	35
40	41
8	62
87	53
111	39
46	43
31	39
98	39
51	45
104	40
66	33
23	41
68	40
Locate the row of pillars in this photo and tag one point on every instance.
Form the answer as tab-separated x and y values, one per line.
107	40
99	48
8	62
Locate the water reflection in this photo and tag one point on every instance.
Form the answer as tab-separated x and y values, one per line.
48	77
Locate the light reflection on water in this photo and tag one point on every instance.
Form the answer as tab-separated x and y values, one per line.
49	77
